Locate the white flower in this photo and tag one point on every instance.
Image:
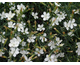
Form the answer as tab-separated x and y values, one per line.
18	39
57	4
67	25
52	45
2	39
23	43
52	58
71	33
39	51
14	51
57	10
11	24
78	43
3	15
72	23
47	58
4	33
61	16
60	55
17	11
31	39
45	16
23	15
40	27
26	31
27	59
23	52
21	6
14	42
35	15
76	11
78	51
23	23
61	44
20	27
58	41
1	53
54	21
10	15
42	38
12	8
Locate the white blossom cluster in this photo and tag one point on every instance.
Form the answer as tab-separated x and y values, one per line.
70	24
7	15
53	57
29	40
60	17
53	44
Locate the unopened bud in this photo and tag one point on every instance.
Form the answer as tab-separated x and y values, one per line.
63	33
28	21
50	33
